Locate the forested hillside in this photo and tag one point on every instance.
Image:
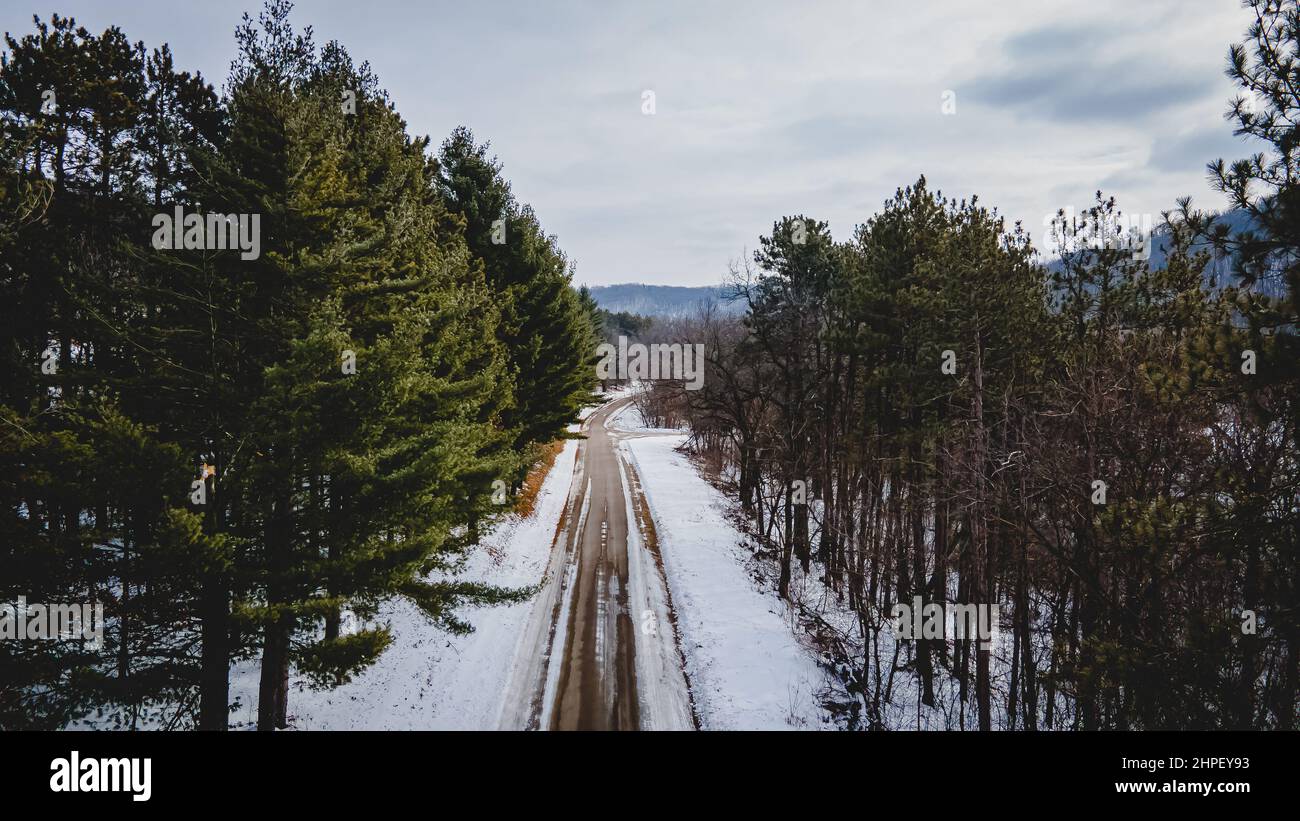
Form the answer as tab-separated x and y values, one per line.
662	300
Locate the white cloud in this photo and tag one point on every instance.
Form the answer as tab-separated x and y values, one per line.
772	108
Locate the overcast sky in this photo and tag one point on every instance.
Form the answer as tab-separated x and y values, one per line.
771	108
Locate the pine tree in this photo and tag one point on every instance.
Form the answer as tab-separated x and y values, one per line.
97	497
232	451
544	326
361	478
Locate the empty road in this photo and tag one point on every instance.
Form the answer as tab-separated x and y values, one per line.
600	649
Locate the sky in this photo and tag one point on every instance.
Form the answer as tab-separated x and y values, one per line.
763	109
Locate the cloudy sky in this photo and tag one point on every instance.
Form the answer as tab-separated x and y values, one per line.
768	108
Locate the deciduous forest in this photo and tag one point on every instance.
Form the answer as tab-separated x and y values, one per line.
1102	447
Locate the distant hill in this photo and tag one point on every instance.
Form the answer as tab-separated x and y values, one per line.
1236	220
683	300
660	300
1216	275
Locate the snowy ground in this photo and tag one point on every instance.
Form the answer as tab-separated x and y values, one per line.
745	666
429	679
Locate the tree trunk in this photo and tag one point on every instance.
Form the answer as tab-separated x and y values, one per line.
273	690
214	663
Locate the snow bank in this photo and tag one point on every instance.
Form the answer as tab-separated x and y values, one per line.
746	669
429	679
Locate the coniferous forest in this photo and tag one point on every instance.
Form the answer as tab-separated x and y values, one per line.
227	452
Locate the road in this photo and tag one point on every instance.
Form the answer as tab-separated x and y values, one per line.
600	648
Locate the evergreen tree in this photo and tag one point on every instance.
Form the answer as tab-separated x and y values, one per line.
545	327
235	450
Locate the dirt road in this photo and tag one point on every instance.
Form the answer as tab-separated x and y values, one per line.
600	652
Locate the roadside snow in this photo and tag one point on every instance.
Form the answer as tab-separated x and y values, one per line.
429	679
745	666
662	692
746	669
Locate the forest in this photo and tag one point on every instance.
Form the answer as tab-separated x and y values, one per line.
271	361
1102	447
238	454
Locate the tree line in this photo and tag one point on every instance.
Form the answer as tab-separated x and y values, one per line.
1104	449
240	456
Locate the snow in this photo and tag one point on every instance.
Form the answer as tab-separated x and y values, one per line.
744	663
737	647
429	679
515	710
663	696
746	668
